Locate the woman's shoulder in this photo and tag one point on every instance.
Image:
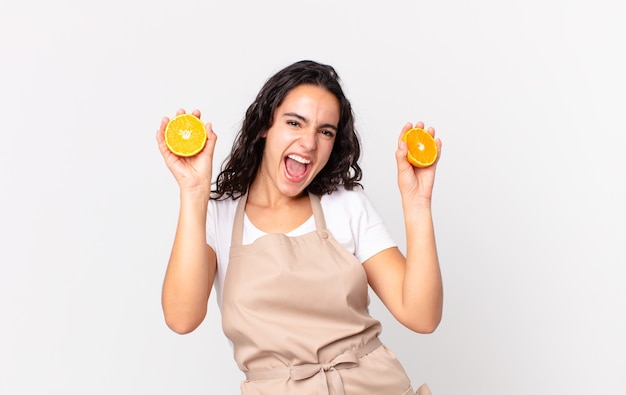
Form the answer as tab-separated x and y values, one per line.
222	210
227	204
348	203
224	202
347	198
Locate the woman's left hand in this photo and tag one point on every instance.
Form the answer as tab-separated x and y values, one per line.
414	182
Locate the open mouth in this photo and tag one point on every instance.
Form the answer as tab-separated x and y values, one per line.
296	167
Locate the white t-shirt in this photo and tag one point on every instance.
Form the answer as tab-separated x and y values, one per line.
349	215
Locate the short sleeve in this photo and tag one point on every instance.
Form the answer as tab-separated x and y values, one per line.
356	224
372	235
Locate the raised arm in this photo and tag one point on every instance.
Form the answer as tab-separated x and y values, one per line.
192	264
411	287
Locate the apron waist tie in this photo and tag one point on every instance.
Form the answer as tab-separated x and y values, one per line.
346	360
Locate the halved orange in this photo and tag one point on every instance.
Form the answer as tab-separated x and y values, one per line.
422	147
185	135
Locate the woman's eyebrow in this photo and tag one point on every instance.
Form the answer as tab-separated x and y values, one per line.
296	115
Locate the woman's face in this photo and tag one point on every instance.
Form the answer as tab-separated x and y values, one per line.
300	140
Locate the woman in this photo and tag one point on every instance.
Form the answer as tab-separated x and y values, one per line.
290	243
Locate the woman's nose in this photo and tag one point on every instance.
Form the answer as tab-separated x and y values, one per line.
308	140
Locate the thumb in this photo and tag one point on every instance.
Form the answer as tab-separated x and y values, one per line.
401	156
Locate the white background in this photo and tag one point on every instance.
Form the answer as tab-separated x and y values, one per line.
527	96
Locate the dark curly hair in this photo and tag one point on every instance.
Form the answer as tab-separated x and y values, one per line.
241	166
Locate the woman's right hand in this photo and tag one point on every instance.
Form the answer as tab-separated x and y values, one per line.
192	173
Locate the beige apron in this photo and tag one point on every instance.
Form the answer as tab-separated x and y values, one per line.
296	311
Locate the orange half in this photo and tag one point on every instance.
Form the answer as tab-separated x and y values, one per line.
422	149
185	135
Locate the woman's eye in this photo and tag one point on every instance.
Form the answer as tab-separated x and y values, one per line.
328	133
292	123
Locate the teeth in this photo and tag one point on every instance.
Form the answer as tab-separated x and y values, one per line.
299	159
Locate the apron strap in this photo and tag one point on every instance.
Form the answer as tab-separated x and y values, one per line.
318	214
237	235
